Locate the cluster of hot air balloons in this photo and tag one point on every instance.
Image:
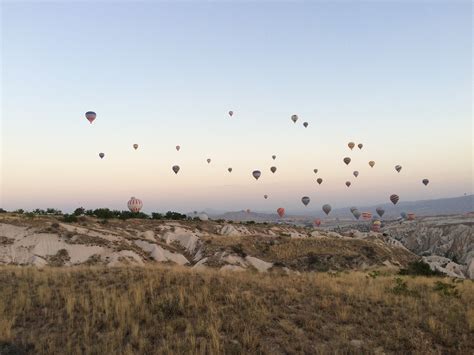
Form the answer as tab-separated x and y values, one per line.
135	204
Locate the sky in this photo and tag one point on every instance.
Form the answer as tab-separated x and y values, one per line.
393	75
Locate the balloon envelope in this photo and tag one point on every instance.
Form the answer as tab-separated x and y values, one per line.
273	169
327	208
134	204
208	160
315	171
281	211
425	182
351	145
294	118
305	200
356	214
380	211
90	115
135	146
229	170
371	163
305	124
348	183
346	160
101	155
175	168
356	173
317	222
231	113
256	174
394	198
398	168
274	157
265	196
178	148
360	145
319	181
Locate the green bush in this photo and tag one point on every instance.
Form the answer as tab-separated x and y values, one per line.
69	218
446	289
401	288
419	268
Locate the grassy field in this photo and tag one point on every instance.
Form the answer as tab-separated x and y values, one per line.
171	310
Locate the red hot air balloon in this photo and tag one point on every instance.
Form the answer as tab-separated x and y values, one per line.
394	198
317	222
281	212
90	115
366	215
134	205
411	216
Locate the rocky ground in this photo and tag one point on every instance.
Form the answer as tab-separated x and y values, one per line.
47	240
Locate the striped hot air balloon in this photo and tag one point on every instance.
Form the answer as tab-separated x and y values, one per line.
134	205
366	215
411	216
90	115
394	198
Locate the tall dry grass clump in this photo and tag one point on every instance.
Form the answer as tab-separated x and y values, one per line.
169	310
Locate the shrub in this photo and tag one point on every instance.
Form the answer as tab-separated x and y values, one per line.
69	218
79	211
175	216
401	288
2	210
156	215
19	211
419	268
446	289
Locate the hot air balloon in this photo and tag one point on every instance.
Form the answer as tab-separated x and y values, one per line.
346	160
327	208
317	222
425	182
248	210
315	171
319	181
256	174
175	169
101	155
355	173
380	211
135	146
265	196
273	169
90	115
305	200
366	215
394	198
351	145
360	145
203	217
411	216
229	170
178	148
294	118
403	215
356	214
208	160
274	157
231	113
371	163
305	124
398	168
134	205
348	183
376	226
281	211
353	209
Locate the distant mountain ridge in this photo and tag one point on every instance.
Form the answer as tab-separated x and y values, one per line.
442	206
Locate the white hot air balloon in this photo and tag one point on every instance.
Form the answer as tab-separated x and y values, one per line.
134	205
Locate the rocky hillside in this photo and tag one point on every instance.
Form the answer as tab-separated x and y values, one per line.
46	240
440	240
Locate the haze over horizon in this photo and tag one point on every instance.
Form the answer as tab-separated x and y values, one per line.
394	76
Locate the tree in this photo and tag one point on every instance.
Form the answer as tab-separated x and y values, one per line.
79	211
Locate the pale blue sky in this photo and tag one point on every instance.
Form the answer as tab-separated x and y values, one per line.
394	75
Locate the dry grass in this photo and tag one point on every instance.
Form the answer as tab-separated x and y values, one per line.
157	310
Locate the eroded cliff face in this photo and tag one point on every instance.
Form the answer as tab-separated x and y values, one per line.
450	237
